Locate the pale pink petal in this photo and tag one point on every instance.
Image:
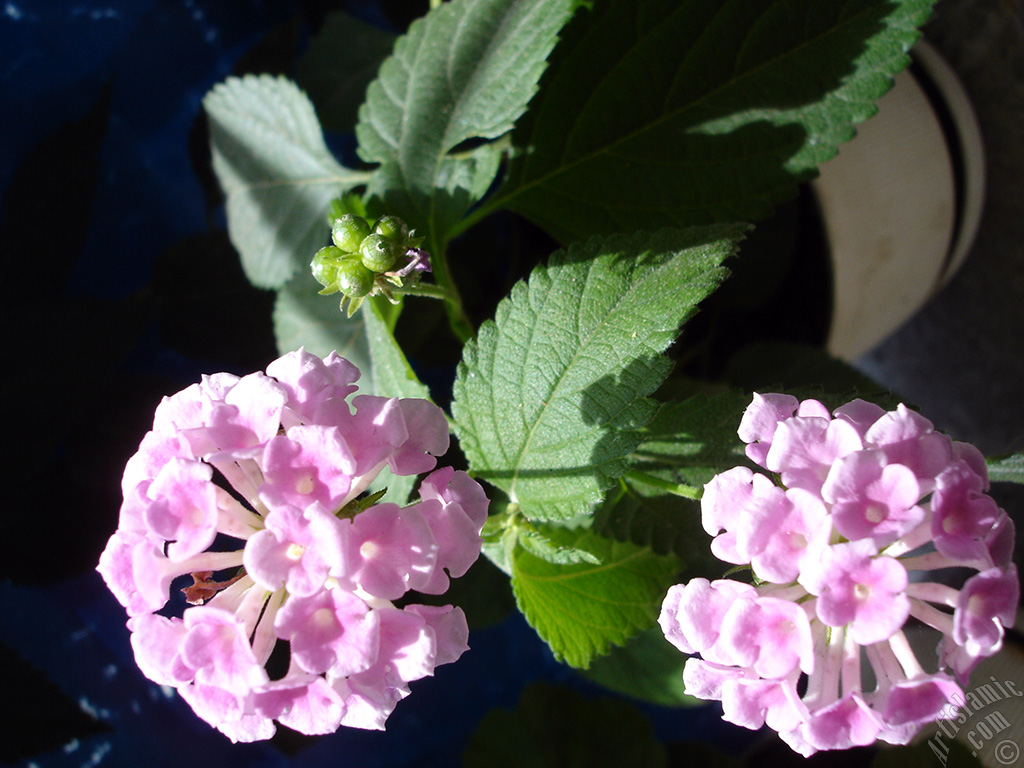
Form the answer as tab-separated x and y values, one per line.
769	635
691	614
389	551
907	438
987	603
331	631
757	427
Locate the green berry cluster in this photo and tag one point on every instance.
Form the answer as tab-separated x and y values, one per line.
364	259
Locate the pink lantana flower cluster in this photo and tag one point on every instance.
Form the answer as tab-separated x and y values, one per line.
255	486
873	520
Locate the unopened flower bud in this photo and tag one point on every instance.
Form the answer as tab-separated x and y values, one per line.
325	266
378	253
353	279
349	231
393	228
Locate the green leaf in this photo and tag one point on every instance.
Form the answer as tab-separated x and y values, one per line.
304	318
1007	469
555	727
649	668
459	182
278	175
804	370
340	62
550	397
680	112
666	523
506	529
465	71
693	440
389	375
582	610
539	545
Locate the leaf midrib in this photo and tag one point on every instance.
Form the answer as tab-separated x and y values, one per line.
563	578
546	403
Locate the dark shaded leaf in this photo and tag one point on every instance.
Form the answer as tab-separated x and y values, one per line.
340	62
666	112
554	727
647	668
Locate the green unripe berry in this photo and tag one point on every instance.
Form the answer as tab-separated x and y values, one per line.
354	280
325	265
378	253
393	228
349	231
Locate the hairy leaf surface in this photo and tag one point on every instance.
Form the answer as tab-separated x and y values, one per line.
465	71
278	175
582	610
551	396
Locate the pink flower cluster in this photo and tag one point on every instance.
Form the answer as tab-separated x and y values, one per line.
255	486
870	503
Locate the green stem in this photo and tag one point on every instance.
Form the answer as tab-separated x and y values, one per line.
676	489
423	289
457	318
471	218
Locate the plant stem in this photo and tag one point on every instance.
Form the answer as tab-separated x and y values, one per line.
471	218
676	489
428	290
457	318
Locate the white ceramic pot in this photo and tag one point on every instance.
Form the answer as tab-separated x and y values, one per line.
901	204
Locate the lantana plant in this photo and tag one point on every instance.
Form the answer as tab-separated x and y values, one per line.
542	194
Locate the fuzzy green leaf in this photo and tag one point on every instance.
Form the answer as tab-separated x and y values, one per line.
693	440
390	375
667	524
681	112
550	397
304	318
581	610
539	545
278	175
465	71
